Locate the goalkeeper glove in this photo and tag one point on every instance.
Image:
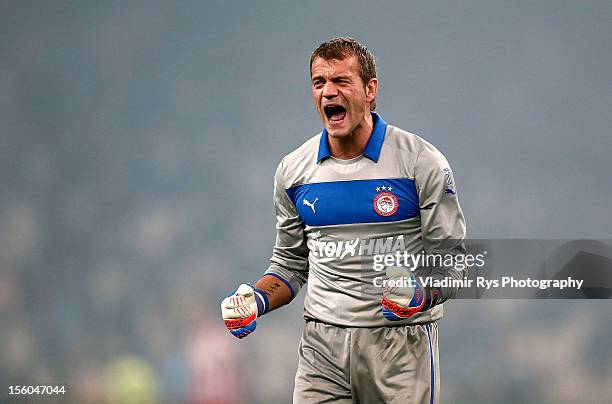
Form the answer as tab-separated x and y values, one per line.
242	307
399	303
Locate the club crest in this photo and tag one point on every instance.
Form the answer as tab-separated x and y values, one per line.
385	202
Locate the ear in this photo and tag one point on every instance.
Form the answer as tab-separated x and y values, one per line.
371	90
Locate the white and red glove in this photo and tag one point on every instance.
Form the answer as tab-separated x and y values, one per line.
399	303
241	308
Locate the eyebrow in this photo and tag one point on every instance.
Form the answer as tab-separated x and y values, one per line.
338	77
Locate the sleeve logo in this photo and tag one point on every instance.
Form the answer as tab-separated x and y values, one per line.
449	183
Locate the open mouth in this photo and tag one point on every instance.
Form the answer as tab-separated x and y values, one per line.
335	113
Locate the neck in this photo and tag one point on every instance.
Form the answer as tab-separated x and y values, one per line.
353	145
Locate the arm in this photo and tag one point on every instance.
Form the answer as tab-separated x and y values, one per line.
284	277
442	232
276	291
443	227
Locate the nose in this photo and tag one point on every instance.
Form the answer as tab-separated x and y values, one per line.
329	90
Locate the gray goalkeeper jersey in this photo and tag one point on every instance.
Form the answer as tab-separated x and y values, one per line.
334	217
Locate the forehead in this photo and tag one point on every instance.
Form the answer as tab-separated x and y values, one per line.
335	67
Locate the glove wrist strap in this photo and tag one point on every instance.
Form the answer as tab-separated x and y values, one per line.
263	304
432	296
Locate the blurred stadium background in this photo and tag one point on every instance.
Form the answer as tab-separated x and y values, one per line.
138	142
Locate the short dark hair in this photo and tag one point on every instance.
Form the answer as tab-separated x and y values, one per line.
343	47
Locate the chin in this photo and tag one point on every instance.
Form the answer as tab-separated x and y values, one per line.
337	133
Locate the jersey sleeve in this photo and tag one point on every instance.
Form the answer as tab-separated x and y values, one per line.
289	260
443	227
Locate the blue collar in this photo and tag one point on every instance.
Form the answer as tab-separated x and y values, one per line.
372	149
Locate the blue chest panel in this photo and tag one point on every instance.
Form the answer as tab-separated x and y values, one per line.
359	201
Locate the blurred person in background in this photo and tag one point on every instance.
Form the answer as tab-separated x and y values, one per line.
213	360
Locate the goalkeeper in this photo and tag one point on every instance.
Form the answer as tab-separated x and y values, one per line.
358	189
